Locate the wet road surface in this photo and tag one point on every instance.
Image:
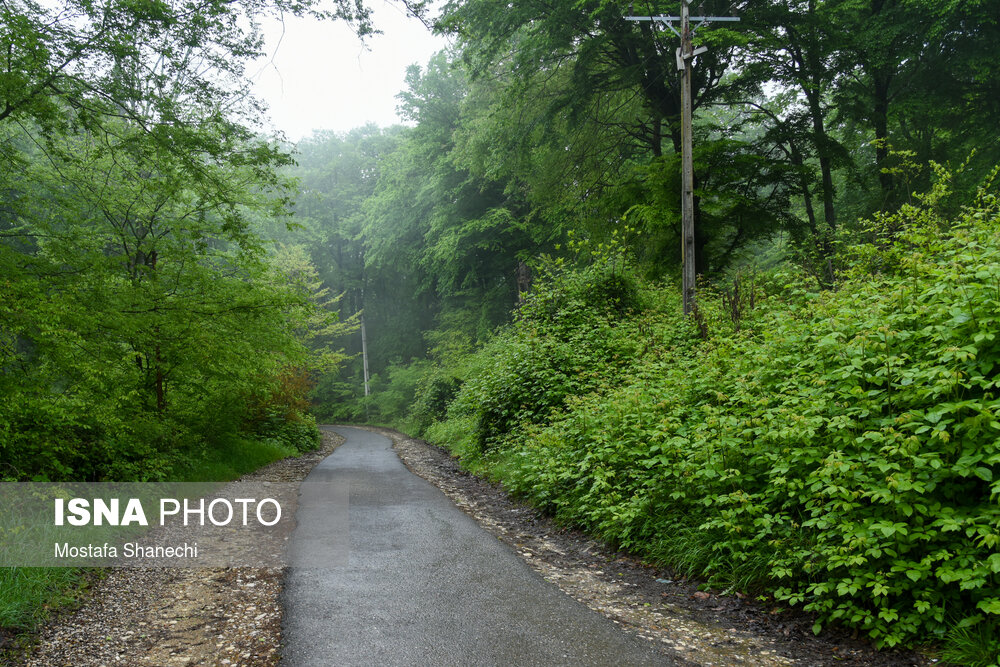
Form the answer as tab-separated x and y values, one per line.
425	585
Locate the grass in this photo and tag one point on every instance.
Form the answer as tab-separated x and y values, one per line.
233	458
976	646
28	597
27	594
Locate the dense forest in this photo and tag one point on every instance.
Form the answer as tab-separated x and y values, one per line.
546	121
148	327
499	275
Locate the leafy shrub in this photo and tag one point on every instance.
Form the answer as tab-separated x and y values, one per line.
393	393
434	393
46	437
299	433
841	451
565	342
337	401
564	297
281	414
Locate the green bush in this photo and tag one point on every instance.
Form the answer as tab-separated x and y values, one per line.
564	298
568	339
299	434
394	392
434	393
841	451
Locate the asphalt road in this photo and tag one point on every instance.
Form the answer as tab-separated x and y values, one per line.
425	585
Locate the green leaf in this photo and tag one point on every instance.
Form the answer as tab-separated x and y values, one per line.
989	605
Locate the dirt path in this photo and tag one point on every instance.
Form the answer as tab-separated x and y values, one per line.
706	629
174	617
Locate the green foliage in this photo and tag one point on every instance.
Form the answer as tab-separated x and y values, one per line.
565	342
838	450
456	433
235	456
566	298
975	646
543	120
434	393
145	334
297	435
393	392
141	313
140	316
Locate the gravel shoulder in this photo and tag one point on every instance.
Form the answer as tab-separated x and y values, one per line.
703	628
167	617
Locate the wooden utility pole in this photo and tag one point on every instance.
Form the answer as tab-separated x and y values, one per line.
685	61
687	165
364	341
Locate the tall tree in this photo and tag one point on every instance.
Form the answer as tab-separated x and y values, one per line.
914	76
600	97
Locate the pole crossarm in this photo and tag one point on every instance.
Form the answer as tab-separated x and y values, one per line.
671	19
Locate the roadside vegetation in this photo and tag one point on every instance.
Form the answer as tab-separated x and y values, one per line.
831	449
829	446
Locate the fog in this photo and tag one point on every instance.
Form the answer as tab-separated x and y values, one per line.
319	75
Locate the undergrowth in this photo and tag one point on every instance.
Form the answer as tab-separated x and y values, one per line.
835	449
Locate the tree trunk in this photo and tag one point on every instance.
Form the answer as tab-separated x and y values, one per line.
796	159
160	382
523	282
822	143
880	121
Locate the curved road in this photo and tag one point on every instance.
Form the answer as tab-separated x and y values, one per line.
425	585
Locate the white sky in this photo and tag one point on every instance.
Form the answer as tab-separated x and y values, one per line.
322	77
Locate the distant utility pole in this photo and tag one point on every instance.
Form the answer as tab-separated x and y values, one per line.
364	353
364	343
685	58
